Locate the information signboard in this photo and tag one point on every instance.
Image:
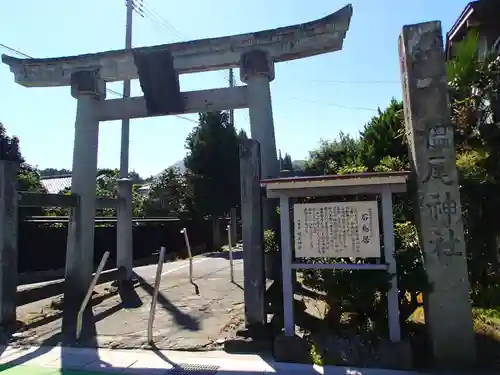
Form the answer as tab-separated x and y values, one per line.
337	230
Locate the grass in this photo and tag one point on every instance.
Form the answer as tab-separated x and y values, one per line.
486	328
480	315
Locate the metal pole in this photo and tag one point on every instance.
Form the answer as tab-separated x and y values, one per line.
231	268
124	209
125	140
89	294
231	84
152	310
184	231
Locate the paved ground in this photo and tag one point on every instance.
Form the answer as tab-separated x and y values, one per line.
52	361
184	319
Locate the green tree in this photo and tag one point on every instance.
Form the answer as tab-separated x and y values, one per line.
168	195
28	177
212	164
9	147
380	147
51	172
287	163
330	156
106	186
474	84
383	136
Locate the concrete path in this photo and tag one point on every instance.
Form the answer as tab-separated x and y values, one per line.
188	316
74	361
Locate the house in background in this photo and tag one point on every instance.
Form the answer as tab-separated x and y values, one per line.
55	184
482	16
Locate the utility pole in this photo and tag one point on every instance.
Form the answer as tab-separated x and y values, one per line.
231	84
234	212
124	211
124	153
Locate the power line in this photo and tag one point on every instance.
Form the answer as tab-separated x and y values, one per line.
154	16
18	52
111	91
15	51
334	105
114	92
356	82
167	24
187	119
151	14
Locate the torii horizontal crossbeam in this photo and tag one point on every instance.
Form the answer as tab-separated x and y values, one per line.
194	102
282	44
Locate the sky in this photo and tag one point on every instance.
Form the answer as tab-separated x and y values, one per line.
313	98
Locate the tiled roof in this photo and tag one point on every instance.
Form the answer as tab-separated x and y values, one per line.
55	184
144	188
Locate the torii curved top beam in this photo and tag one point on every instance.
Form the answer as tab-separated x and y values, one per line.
283	44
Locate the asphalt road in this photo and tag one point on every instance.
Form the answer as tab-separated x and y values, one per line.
187	316
203	267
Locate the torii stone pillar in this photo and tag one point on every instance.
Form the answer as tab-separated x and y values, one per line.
89	89
257	71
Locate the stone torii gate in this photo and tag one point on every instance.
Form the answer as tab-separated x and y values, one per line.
158	69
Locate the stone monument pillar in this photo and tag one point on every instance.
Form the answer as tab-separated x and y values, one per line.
8	243
124	245
432	151
257	71
89	90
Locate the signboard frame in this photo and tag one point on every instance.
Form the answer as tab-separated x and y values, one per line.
337	230
382	185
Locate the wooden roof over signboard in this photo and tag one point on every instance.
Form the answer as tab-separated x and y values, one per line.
345	184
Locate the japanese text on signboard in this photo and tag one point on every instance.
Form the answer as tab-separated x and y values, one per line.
337	230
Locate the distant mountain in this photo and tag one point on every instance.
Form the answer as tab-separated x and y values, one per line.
299	164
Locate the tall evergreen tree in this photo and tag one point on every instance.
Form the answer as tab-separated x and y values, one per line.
212	164
9	147
287	164
383	136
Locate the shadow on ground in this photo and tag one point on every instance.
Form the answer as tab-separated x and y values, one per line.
73	359
237	255
180	318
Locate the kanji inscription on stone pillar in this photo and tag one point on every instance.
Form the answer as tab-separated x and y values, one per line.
430	137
